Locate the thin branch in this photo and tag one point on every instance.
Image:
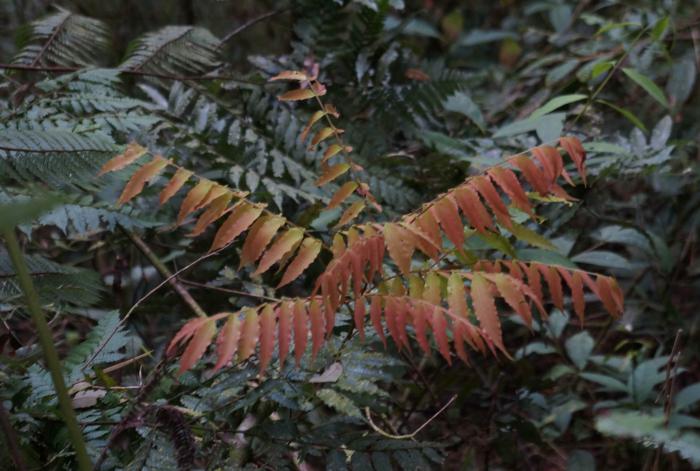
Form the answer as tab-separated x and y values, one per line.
165	272
141	73
409	435
11	438
252	22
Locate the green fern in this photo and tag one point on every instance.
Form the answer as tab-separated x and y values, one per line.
174	50
56	284
63	39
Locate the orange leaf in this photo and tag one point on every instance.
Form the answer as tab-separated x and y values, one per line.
227	342
139	179
429	226
314	118
332	173
439	325
551	161
198	345
508	181
375	316
267	336
333	150
323	134
488	192
279	248
420	327
301	330
290	75
259	236
457	296
132	153
351	213
284	330
423	241
174	185
576	286
610	294
317	328
193	198
184	334
212	213
554	283
510	291
346	190
308	252
573	147
400	244
242	216
532	174
534	280
296	95
445	211
432	292
485	309
473	209
250	332
390	313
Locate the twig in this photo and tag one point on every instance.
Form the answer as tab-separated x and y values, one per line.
165	272
252	22
182	78
409	435
143	298
229	290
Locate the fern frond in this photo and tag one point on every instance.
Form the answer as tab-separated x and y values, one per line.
56	156
64	39
174	50
56	284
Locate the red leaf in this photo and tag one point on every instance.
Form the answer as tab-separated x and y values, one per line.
511	292
573	147
375	315
284	330
551	161
445	211
184	334
439	325
509	183
485	309
576	286
198	345
532	174
215	211
473	209
301	330
250	332
554	283
346	190
317	329
227	342
484	186
267	336
610	295
420	327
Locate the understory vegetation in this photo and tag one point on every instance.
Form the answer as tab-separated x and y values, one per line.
349	234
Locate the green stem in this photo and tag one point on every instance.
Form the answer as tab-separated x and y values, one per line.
50	354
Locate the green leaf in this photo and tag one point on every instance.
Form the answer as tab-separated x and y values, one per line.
608	382
461	103
687	396
626	113
556	103
603	258
579	348
531	237
660	28
646	83
580	460
601	68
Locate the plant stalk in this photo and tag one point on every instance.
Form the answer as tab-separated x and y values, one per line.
50	355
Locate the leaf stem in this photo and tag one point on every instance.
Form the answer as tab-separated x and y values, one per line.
51	356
